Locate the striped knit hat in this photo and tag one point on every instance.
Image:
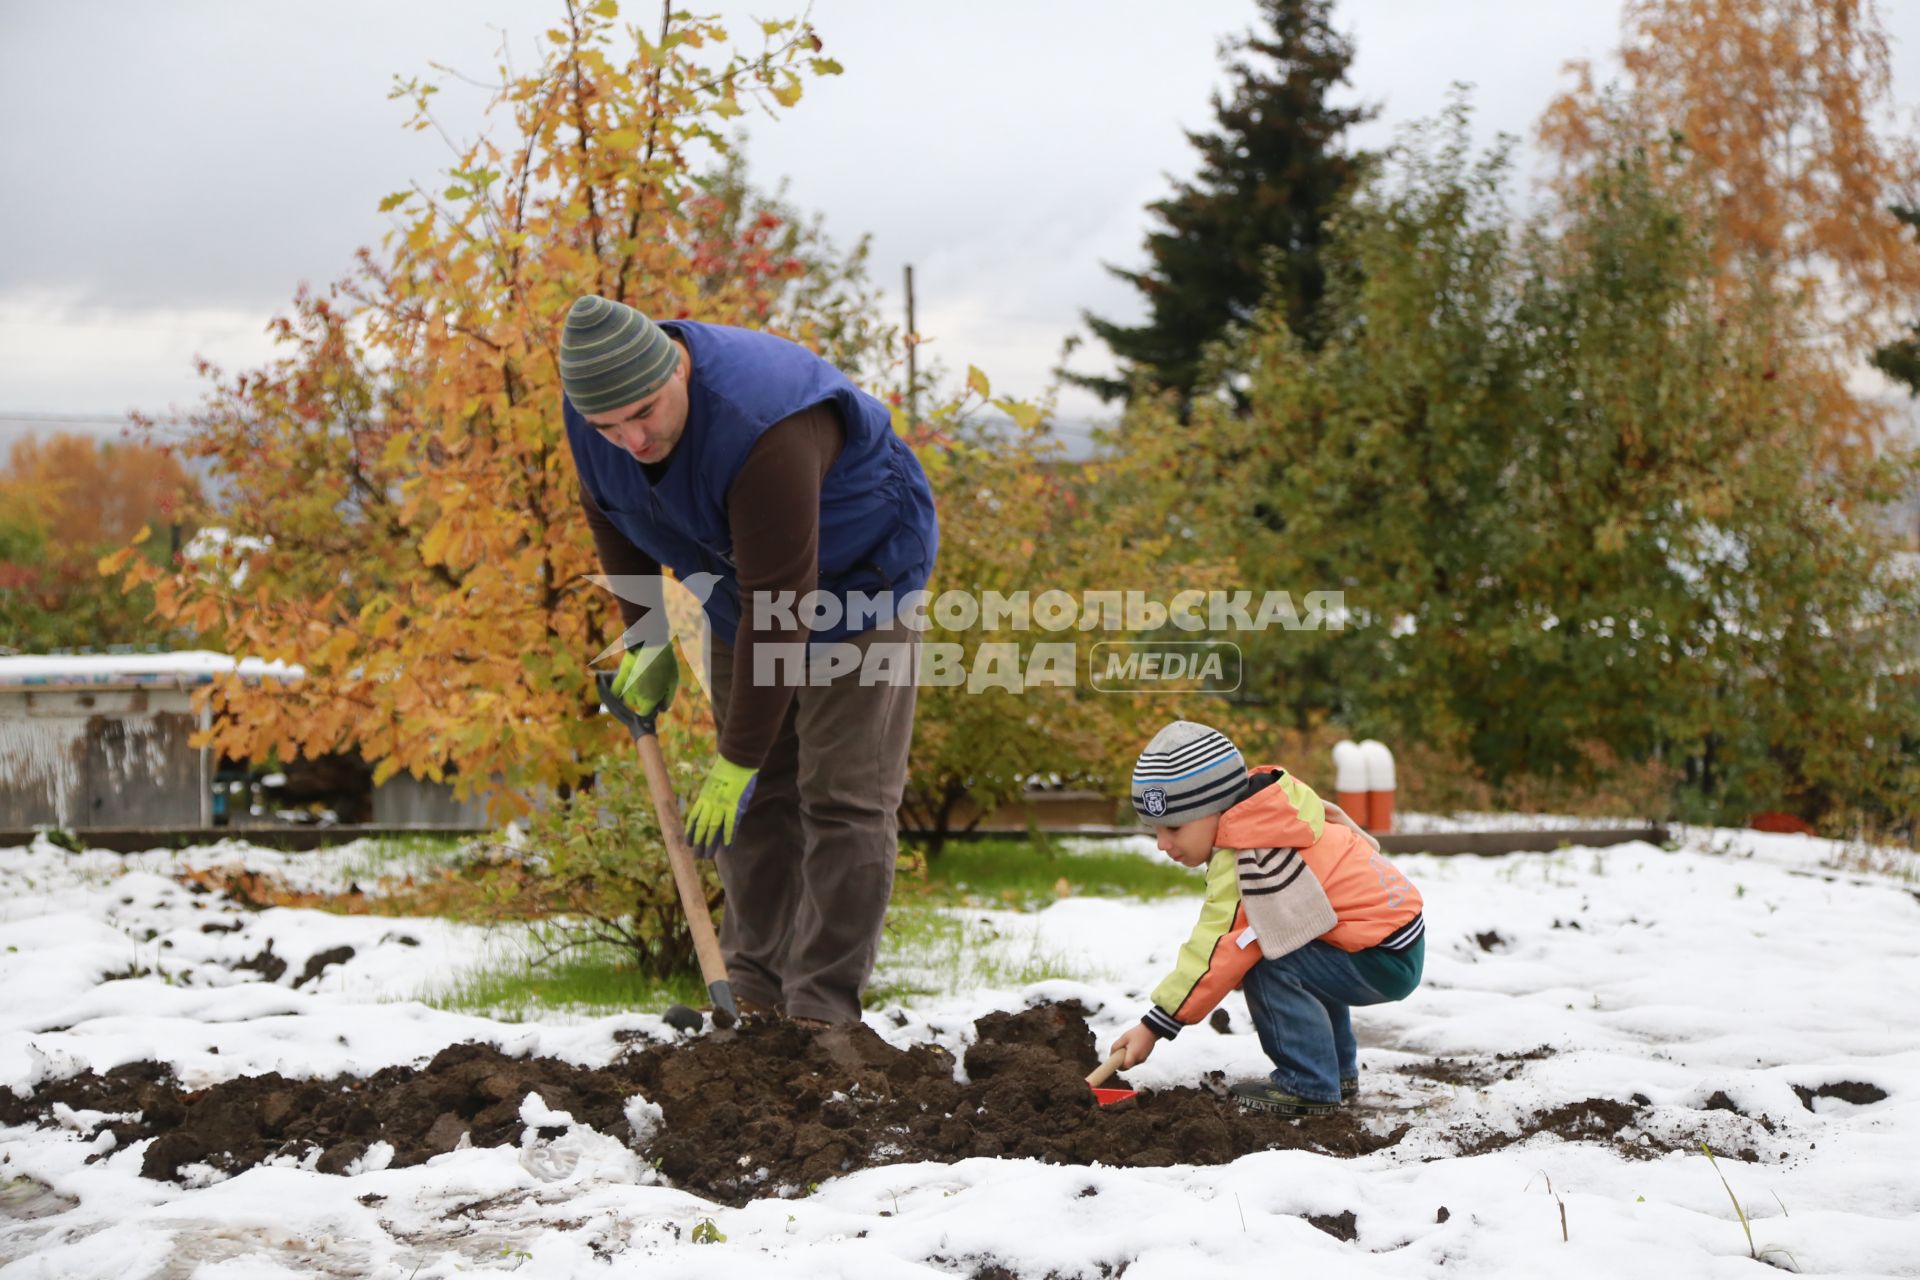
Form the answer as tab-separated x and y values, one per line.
611	355
1188	771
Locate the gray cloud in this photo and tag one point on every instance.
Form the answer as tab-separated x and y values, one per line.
175	170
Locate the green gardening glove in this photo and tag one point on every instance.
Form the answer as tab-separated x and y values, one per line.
647	678
720	805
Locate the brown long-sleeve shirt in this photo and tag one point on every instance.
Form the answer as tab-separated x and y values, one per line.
773	512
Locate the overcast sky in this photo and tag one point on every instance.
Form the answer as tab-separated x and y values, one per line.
175	169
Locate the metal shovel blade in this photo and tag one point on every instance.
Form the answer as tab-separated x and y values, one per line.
723	1006
635	723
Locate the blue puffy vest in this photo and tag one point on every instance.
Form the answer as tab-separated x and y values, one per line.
878	530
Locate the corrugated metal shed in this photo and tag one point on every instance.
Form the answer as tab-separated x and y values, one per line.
102	740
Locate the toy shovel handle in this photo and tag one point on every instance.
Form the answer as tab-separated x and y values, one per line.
1104	1072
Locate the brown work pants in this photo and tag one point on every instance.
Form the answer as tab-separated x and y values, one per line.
810	869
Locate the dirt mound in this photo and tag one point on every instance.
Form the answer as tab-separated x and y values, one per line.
779	1107
1858	1092
1343	1226
466	1089
1606	1121
767	1109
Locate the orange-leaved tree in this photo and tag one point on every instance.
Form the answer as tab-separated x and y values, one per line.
1778	123
397	491
63	501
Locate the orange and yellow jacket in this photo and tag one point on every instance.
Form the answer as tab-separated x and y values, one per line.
1373	904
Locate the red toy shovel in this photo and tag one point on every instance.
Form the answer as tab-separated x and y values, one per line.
1107	1097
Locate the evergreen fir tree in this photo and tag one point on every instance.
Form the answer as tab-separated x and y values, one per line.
1900	359
1254	216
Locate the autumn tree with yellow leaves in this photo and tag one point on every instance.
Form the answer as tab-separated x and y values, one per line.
400	503
63	501
1780	132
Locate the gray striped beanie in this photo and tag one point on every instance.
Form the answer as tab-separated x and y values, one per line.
1188	771
611	355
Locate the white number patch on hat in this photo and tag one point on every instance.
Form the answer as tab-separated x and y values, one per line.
1156	801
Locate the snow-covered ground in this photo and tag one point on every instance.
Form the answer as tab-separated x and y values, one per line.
1414	823
1742	964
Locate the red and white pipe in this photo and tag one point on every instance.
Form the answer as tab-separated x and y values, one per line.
1350	781
1378	763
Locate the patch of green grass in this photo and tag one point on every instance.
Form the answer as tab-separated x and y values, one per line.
590	980
1026	874
924	951
931	946
928	951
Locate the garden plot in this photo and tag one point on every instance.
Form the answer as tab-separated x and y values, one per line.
1588	1019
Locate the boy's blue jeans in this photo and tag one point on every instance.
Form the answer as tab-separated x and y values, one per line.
1299	1004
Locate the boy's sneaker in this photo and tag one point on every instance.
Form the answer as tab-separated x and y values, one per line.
1264	1095
1349	1088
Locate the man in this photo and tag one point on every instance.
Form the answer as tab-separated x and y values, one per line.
711	449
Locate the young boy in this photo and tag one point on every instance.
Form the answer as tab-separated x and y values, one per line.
1302	911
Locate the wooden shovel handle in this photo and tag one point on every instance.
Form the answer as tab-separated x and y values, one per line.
1102	1073
686	877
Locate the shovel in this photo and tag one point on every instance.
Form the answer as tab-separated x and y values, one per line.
1100	1074
680	857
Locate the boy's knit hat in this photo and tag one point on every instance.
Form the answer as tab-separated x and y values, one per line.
1188	771
611	355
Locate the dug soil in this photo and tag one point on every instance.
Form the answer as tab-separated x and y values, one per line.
766	1109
